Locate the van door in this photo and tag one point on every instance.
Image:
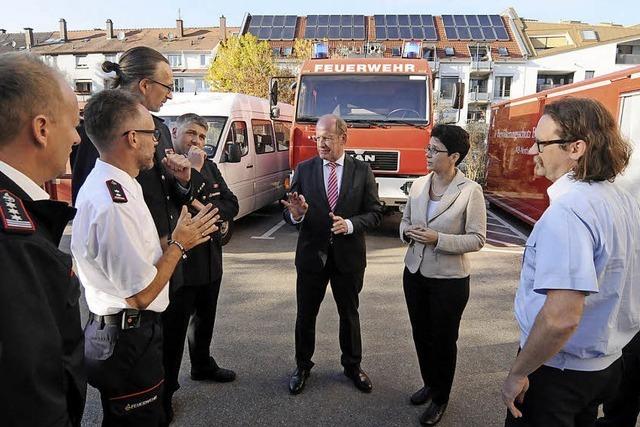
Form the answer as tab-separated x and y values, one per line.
269	184
630	129
240	176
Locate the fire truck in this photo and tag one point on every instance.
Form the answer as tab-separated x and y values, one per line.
387	104
511	184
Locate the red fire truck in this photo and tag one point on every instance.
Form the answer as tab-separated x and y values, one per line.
511	184
387	104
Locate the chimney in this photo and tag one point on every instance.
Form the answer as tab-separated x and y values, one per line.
180	27
109	29
28	37
223	28
63	29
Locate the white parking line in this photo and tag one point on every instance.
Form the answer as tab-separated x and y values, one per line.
517	251
268	234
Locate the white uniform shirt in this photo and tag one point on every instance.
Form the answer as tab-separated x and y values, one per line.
115	245
32	189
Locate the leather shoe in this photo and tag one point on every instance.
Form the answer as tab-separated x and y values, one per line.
421	396
433	414
360	379
213	373
298	380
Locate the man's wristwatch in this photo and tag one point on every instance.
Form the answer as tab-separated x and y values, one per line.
179	245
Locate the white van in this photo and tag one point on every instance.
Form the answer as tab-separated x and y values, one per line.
250	149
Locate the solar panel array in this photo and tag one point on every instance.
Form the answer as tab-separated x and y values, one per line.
345	27
474	27
395	27
273	27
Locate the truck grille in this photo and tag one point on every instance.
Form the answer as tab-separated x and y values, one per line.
386	161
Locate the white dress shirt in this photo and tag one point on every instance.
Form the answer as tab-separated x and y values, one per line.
32	189
326	171
115	245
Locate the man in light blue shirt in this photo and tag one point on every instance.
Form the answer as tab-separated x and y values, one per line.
578	303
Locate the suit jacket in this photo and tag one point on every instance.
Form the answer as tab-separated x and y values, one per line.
358	201
461	223
42	378
204	262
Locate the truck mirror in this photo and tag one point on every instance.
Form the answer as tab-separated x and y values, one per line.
233	153
273	93
275	112
458	96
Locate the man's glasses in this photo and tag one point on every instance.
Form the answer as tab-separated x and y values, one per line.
321	139
541	144
433	150
167	87
154	132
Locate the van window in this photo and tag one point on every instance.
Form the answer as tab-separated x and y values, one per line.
238	134
263	136
283	130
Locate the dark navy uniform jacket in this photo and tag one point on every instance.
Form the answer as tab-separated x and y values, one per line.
204	262
42	381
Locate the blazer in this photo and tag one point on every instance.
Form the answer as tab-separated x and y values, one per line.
204	262
358	201
461	223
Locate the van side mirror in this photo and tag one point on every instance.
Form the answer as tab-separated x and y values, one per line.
210	150
233	153
274	112
458	96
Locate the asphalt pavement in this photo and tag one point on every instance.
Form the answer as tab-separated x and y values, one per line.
255	325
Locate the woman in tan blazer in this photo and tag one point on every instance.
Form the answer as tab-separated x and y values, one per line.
445	217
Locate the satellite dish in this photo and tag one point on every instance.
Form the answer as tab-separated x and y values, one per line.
171	36
121	35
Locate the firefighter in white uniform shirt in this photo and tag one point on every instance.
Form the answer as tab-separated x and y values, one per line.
121	262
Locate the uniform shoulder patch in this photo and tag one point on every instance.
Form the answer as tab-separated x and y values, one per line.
117	192
15	217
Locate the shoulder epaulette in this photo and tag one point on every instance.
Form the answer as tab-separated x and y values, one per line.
15	217
117	192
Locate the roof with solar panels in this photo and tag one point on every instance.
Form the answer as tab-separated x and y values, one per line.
447	36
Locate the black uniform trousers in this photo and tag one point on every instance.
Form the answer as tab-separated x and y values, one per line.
310	291
623	409
435	308
565	398
126	367
191	314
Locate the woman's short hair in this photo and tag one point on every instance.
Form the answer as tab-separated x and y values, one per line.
607	152
454	138
135	64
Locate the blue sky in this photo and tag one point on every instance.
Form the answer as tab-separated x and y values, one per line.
43	15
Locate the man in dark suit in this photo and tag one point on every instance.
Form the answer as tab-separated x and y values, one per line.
192	308
334	200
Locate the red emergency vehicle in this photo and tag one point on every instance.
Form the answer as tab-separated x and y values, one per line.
387	104
511	184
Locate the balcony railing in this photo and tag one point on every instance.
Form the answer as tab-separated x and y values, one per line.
479	97
627	58
481	65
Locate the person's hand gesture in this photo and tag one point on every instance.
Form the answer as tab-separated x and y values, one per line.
191	231
297	205
196	157
339	224
178	166
513	390
422	234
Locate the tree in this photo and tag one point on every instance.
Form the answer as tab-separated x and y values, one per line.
301	52
243	64
476	160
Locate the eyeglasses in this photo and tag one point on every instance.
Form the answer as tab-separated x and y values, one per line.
322	139
540	144
167	87
154	132
433	150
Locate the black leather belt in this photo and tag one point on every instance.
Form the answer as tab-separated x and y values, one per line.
126	319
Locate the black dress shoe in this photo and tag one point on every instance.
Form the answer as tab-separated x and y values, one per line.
433	414
298	380
360	379
421	396
212	372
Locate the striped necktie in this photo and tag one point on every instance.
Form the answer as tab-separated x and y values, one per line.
332	186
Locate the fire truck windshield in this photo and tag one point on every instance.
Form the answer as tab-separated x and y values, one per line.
376	98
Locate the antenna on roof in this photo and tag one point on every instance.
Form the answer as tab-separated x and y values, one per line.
121	35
